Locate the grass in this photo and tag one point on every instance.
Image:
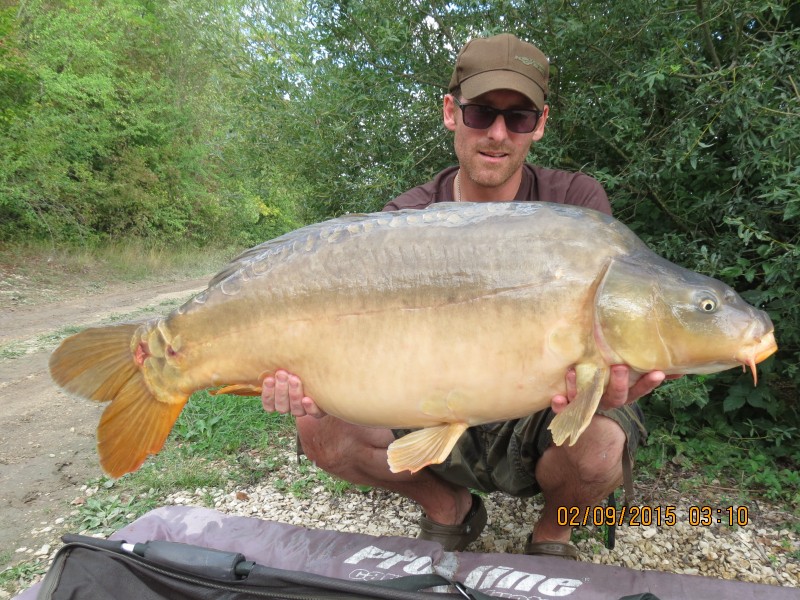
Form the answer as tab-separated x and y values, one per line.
738	469
20	576
217	440
31	273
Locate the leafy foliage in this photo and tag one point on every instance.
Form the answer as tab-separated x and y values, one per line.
119	125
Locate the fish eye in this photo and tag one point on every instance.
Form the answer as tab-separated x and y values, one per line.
708	305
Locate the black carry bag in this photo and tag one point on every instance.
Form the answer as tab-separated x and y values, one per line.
100	569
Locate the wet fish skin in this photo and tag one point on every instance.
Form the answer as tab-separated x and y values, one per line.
437	319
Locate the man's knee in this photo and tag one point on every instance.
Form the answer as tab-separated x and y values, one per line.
600	455
333	445
319	442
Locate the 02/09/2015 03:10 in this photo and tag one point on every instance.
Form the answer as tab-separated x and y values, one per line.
647	516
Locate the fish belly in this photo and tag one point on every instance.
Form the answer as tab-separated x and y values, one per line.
402	361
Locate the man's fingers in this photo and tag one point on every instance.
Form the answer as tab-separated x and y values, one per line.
616	393
310	408
572	385
646	384
282	401
268	394
558	403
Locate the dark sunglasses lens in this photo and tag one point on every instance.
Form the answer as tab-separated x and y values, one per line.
521	121
482	117
479	117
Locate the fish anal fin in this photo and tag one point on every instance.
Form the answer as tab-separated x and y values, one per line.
238	389
570	423
135	425
428	446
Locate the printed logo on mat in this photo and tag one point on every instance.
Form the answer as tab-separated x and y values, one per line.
376	564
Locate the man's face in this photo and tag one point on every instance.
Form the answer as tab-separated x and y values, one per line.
492	157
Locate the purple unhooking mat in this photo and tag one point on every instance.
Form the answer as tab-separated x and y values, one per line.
359	557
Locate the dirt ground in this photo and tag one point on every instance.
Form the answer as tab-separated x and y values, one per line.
47	437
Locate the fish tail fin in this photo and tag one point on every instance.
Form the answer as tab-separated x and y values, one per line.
425	447
100	364
570	423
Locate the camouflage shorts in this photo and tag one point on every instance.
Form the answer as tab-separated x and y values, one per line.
502	456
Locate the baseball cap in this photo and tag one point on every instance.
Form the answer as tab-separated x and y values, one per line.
501	62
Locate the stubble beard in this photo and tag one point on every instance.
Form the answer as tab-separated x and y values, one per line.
491	177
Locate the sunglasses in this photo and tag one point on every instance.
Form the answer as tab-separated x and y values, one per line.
518	120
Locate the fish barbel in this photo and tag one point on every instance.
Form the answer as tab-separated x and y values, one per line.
436	320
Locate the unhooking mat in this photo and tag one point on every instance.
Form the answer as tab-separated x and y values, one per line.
358	557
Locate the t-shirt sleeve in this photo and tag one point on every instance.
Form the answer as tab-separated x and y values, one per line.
422	196
585	190
563	187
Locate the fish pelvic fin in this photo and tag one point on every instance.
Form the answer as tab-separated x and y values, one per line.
238	389
100	364
570	423
429	446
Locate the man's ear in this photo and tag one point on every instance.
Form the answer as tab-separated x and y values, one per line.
538	133
449	112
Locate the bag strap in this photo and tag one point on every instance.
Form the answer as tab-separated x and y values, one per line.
224	566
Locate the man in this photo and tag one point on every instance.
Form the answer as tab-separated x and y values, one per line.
496	110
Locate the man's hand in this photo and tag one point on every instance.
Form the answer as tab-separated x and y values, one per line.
619	391
283	393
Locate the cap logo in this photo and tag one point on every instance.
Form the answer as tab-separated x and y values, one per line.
531	63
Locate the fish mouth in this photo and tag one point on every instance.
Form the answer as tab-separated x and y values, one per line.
762	349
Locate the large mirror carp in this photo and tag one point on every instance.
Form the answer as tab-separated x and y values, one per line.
435	320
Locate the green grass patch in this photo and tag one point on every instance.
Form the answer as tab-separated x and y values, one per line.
21	576
217	426
217	440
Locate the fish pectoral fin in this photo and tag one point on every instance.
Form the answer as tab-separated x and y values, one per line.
573	420
429	446
238	389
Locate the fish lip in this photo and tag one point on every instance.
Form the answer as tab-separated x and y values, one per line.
763	348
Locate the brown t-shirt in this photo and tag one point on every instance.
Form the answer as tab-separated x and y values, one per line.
538	185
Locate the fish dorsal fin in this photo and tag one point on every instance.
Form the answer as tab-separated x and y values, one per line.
429	446
573	420
312	232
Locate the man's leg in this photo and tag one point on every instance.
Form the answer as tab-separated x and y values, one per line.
358	455
580	475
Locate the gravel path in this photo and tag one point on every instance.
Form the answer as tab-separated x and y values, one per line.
761	552
765	551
